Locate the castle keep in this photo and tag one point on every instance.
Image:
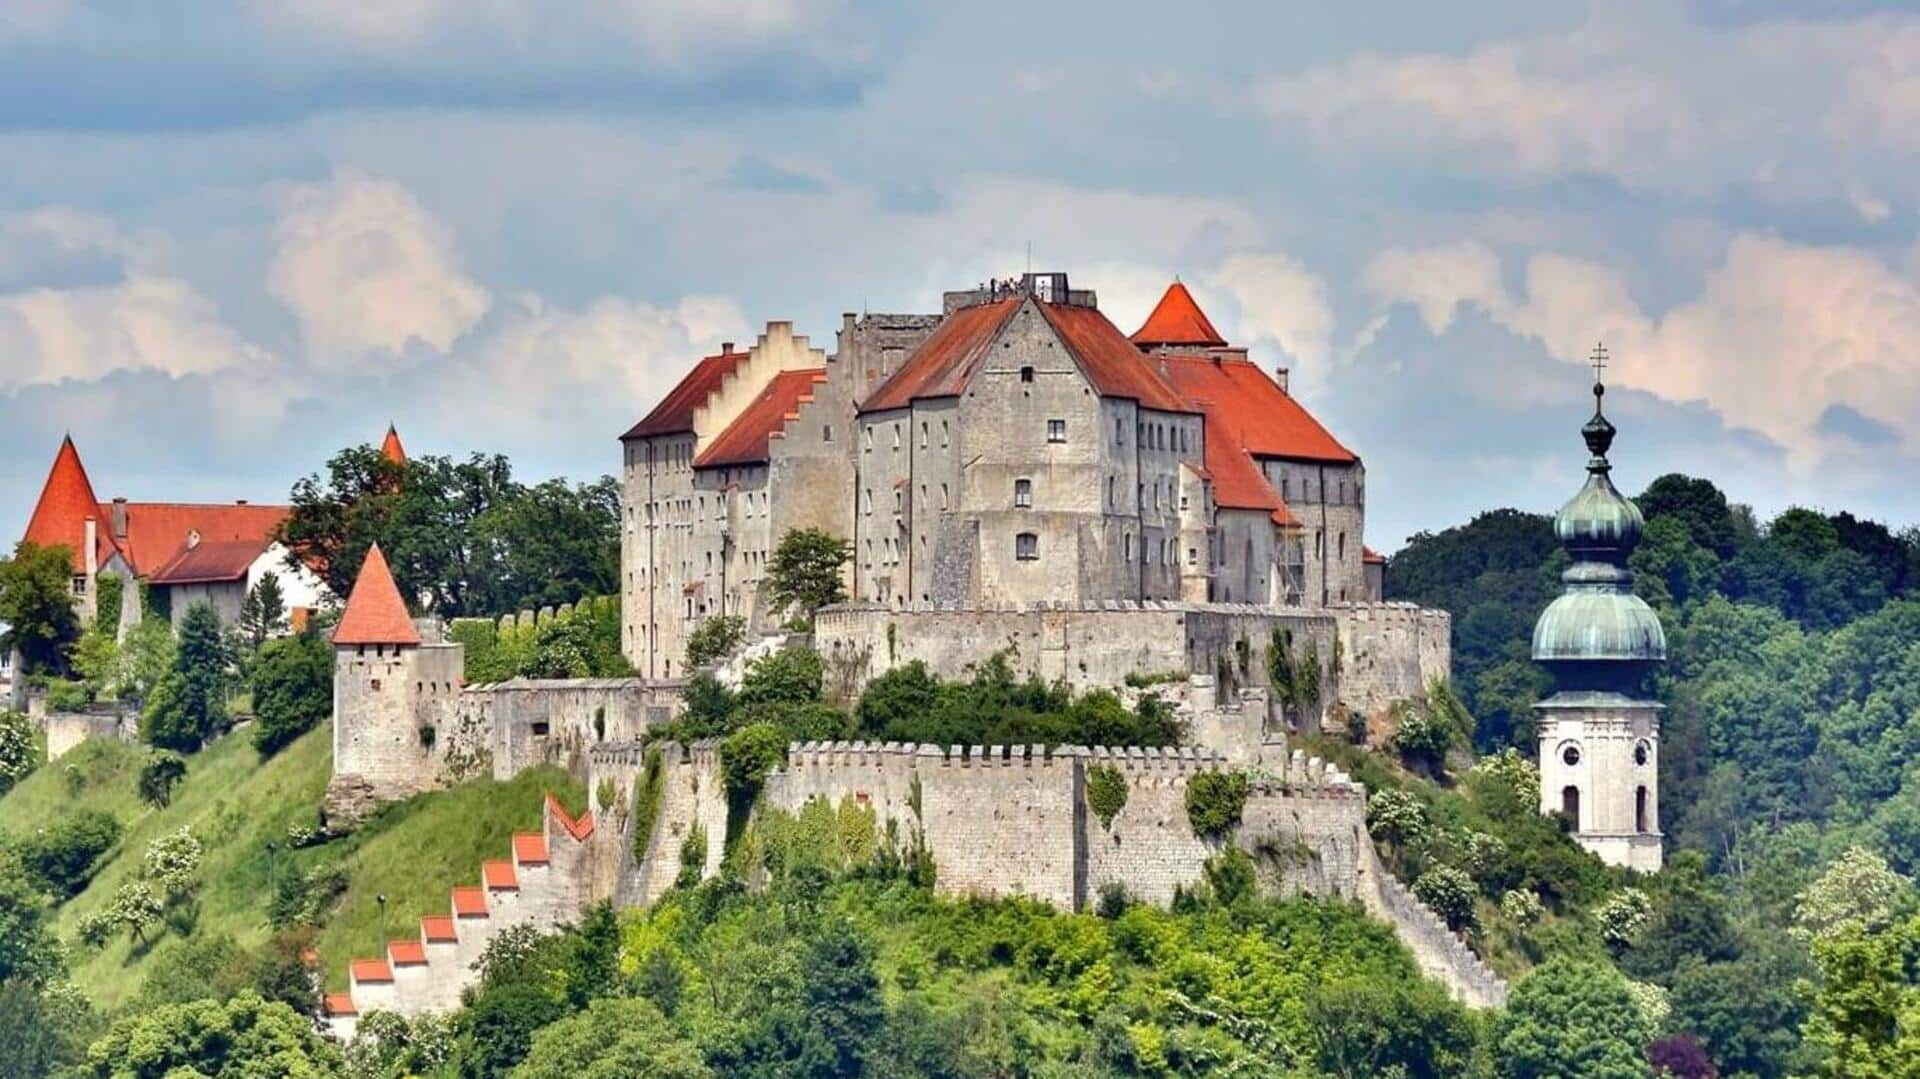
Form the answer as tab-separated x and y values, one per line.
1016	448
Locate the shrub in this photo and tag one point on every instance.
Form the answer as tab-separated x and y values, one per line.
1449	893
172	861
136	907
714	638
789	676
63	856
693	858
19	756
65	696
1106	792
1622	917
1215	801
1521	907
1397	817
304	898
648	792
1519	776
747	755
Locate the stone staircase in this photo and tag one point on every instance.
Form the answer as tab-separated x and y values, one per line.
426	972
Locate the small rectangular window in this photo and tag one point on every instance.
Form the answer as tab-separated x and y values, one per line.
540	730
1056	430
1026	374
1026	547
826	432
1023	493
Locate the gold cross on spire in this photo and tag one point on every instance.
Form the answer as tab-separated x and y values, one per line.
1599	360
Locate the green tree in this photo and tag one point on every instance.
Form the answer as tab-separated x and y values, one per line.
1866	1011
612	1039
292	690
843	1011
162	770
1858	889
499	1026
1747	1011
804	571
96	661
189	705
36	604
714	639
146	655
28	952
41	1032
244	1036
1367	1028
263	614
788	676
1571	1018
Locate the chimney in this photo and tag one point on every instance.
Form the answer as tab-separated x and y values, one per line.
239	501
1280	376
726	348
119	518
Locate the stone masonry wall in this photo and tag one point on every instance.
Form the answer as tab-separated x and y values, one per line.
1390	651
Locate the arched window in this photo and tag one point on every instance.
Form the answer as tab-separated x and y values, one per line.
1570	806
1641	752
1640	809
1026	546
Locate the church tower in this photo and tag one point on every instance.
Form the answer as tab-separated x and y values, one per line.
1599	736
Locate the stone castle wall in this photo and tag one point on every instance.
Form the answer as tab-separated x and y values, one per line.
1386	652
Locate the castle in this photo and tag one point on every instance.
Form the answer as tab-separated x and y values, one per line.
1016	448
1016	478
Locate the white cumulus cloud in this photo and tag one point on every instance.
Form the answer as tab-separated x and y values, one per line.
365	269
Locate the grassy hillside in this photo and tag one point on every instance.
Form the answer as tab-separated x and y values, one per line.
241	808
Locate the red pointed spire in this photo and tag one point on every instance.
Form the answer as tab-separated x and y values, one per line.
1178	320
391	449
375	612
67	500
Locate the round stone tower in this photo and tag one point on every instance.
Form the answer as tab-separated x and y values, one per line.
1599	736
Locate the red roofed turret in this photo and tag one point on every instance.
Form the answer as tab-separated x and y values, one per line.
66	501
375	612
391	449
1177	320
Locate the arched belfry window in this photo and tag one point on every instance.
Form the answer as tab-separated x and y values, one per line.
1642	752
1570	805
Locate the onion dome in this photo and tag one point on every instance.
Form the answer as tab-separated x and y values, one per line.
1598	634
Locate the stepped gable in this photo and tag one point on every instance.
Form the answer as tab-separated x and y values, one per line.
746	439
530	848
406	953
66	501
579	829
469	902
1177	320
375	612
391	449
437	929
945	361
339	1004
1253	410
498	876
674	414
370	970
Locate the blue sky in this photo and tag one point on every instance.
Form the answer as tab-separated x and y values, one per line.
237	234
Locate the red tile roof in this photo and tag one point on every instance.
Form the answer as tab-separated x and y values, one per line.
1112	363
530	848
157	531
407	953
745	439
1371	556
499	876
579	829
437	928
375	612
945	361
66	501
340	1004
391	449
469	902
674	414
1264	418
207	562
1178	320
370	970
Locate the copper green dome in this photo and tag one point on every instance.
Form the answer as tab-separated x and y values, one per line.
1598	634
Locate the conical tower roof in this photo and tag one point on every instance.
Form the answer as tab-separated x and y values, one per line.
375	612
391	449
1177	320
66	501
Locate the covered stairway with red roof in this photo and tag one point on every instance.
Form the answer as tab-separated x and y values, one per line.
426	971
